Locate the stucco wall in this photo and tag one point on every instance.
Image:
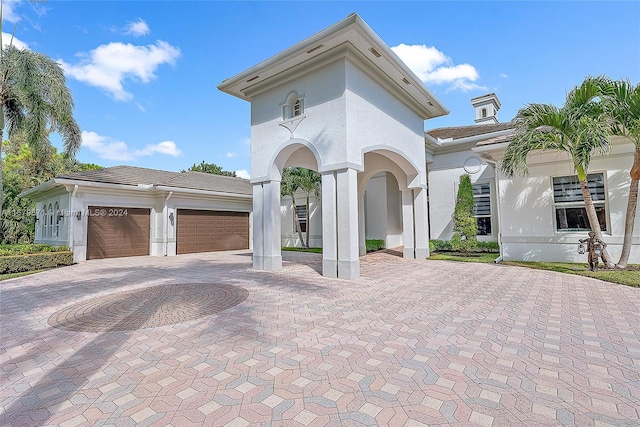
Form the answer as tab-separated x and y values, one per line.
290	237
61	197
444	176
528	214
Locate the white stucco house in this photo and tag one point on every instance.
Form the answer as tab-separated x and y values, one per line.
128	211
343	104
539	217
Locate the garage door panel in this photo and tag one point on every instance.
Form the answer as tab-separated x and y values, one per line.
207	231
113	236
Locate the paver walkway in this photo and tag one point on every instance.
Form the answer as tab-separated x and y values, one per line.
409	343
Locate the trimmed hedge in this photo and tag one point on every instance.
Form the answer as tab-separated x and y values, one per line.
30	262
446	246
34	248
374	245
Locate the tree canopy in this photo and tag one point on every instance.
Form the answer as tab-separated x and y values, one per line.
211	168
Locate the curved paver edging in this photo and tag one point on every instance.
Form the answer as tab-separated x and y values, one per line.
148	307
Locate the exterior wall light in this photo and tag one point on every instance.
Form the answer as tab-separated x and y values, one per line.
171	217
79	215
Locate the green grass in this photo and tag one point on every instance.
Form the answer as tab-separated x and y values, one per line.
14	275
629	277
294	249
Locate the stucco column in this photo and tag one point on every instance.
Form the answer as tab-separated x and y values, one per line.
258	226
421	223
347	203
408	234
272	225
329	226
361	227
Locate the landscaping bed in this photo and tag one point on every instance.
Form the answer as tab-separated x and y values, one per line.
16	259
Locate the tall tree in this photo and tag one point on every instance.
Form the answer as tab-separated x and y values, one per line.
211	168
35	101
622	103
465	226
580	128
22	171
289	185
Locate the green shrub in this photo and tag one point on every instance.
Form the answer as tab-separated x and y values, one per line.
465	226
30	262
439	245
374	245
457	245
34	248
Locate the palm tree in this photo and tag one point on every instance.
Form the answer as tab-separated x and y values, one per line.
309	182
288	187
579	128
622	103
34	102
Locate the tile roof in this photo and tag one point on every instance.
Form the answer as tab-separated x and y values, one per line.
457	132
132	175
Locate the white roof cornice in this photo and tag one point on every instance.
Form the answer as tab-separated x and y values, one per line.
361	42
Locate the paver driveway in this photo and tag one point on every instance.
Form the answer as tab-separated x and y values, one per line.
409	343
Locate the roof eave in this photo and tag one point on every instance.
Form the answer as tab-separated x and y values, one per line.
320	43
167	188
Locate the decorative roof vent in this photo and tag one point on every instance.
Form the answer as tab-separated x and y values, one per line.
487	107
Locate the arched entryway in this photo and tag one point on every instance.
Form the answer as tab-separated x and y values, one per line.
392	203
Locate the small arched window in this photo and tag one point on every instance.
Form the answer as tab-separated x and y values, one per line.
484	112
50	232
293	106
45	222
56	230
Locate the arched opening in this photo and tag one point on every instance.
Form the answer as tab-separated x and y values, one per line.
392	204
278	210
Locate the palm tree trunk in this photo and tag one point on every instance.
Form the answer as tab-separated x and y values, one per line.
632	205
297	220
593	219
308	221
1	163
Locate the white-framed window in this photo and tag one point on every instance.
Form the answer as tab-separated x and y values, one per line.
570	211
45	221
301	213
482	207
56	229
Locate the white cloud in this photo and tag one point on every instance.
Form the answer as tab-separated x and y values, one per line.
433	66
231	154
111	149
6	39
108	66
9	12
243	173
138	28
504	75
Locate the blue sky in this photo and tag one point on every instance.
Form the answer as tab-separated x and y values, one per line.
144	73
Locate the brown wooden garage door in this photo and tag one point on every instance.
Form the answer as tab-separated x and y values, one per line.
117	232
207	231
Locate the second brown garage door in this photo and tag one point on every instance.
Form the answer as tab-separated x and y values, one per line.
208	231
117	232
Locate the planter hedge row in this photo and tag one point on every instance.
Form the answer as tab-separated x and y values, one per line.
31	262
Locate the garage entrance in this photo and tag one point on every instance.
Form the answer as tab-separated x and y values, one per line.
114	232
208	231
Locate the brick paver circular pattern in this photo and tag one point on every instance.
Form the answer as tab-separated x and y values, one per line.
148	307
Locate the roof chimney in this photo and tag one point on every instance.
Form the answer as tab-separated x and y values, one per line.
487	107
